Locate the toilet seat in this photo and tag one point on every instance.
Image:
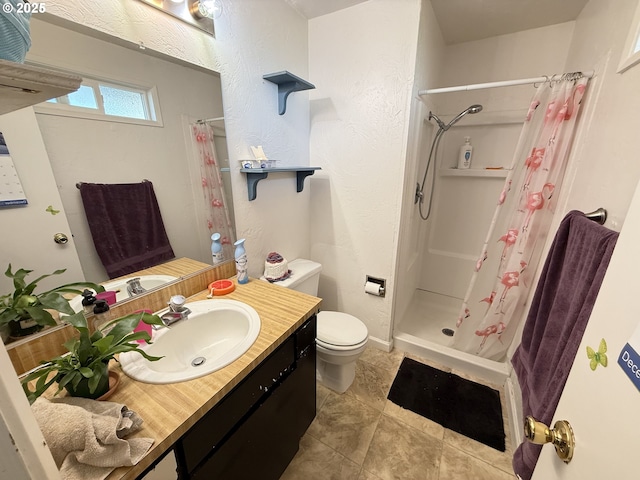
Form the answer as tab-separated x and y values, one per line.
340	331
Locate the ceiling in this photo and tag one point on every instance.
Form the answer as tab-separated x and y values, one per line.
467	20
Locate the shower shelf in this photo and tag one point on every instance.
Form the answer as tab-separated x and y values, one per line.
254	175
474	172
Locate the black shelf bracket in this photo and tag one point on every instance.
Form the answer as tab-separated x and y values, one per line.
287	83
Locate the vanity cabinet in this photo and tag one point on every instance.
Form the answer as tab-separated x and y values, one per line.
254	431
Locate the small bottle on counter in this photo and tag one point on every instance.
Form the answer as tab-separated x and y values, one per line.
100	314
216	249
88	301
241	262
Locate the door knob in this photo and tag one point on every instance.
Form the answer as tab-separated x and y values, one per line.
561	436
60	238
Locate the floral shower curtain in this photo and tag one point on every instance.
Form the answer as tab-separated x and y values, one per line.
489	318
216	215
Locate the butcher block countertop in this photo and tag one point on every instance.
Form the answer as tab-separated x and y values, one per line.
170	410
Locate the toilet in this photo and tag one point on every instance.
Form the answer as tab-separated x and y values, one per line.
341	338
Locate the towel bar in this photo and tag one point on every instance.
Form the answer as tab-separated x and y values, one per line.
80	183
599	216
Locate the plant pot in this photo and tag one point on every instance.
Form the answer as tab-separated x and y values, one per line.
22	328
82	390
114	381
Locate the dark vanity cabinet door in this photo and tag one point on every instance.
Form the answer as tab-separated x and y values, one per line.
255	430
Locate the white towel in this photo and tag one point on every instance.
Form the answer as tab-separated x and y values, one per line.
86	436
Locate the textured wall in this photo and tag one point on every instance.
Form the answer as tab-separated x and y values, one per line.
134	23
363	61
603	169
257	37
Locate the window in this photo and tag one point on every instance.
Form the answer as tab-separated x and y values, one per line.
107	100
631	52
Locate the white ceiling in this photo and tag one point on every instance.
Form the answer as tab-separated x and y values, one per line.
467	20
464	20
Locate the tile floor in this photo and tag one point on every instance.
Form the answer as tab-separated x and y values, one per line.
360	435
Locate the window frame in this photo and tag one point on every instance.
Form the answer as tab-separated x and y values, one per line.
631	51
151	106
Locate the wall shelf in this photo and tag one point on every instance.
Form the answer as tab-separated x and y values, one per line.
474	172
254	175
25	85
287	83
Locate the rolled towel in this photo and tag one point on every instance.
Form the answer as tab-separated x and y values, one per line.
86	437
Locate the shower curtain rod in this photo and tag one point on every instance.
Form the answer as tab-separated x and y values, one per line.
505	83
211	120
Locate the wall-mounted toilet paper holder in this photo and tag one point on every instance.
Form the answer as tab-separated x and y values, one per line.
375	286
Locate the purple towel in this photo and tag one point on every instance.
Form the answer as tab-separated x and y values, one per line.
126	226
560	309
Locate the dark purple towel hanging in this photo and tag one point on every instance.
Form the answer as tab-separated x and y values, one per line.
560	309
126	226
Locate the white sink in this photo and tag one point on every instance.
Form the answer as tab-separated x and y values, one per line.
120	287
216	333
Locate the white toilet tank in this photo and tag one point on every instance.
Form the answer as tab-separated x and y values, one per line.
305	275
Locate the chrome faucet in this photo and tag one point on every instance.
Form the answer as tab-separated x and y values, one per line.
134	287
177	311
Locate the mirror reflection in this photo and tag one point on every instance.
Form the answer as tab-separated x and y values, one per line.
114	152
84	146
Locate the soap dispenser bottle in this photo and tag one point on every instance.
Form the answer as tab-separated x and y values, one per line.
241	262
216	249
464	160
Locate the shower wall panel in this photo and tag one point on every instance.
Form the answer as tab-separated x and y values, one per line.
463	208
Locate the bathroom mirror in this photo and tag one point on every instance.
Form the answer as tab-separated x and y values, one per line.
90	150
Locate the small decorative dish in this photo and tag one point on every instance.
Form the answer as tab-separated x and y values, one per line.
221	287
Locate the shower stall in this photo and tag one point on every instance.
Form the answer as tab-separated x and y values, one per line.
455	209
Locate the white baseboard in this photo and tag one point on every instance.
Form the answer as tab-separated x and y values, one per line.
380	344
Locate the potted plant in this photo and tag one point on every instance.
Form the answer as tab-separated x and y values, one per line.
27	312
84	371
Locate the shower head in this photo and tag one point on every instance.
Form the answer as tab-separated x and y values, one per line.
438	121
472	109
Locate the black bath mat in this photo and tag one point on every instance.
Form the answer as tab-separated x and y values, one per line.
455	403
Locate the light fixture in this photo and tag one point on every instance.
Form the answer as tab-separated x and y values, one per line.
206	9
189	11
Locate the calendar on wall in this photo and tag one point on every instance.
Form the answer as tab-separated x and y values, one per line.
11	192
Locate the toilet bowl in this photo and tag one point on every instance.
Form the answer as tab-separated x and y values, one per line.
341	338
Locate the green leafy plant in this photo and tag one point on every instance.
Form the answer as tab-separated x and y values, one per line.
83	372
23	304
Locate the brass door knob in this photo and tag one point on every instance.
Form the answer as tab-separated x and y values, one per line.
60	238
561	436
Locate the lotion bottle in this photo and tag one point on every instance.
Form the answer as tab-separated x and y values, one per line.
464	160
